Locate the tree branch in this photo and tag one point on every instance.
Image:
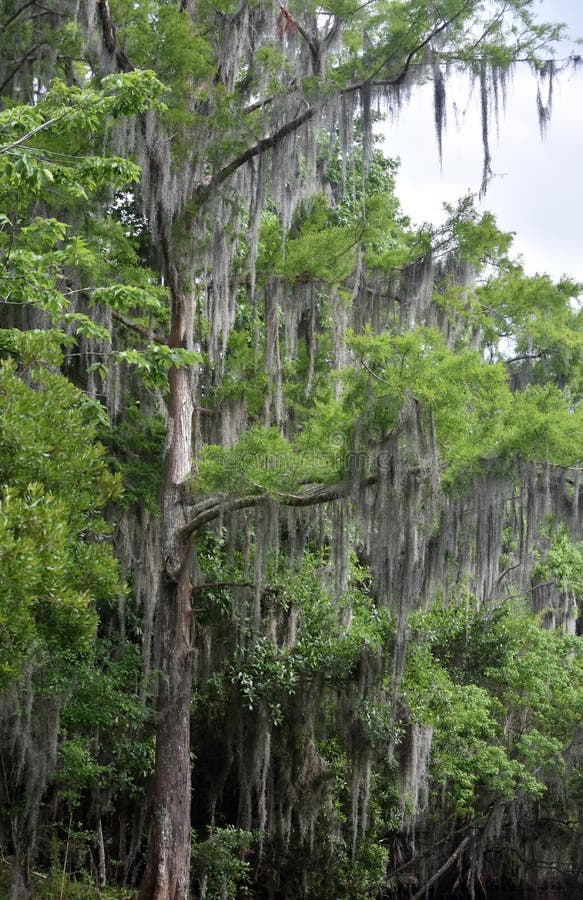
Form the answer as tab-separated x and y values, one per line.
15	15
25	137
109	38
202	191
393	82
19	65
441	871
261	104
210	509
374	374
138	329
542	354
313	45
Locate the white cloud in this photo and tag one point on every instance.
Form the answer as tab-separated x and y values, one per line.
538	188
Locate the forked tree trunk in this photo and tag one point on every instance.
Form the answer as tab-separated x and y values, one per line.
168	867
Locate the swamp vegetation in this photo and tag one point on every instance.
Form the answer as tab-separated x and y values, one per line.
290	522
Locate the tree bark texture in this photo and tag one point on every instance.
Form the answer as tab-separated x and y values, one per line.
167	873
168	865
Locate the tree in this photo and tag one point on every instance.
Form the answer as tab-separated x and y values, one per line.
58	570
266	199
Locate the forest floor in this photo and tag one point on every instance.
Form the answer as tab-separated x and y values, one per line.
55	886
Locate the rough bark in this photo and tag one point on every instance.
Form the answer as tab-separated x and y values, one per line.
167	873
168	866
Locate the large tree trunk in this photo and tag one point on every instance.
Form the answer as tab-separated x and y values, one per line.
168	869
168	866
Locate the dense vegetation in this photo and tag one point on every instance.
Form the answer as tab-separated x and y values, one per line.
290	521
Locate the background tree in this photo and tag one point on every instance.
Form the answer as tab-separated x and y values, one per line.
58	571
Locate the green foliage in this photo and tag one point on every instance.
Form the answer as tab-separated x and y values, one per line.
473	237
162	37
60	886
106	727
355	876
539	315
44	259
56	565
330	644
326	253
325	238
542	424
478	419
69	112
501	694
154	362
562	564
220	864
481	421
467	396
78	770
244	377
262	461
136	445
263	674
327	647
37	255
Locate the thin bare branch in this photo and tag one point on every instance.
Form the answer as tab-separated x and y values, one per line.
423	892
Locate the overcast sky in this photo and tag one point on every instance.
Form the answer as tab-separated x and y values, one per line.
538	188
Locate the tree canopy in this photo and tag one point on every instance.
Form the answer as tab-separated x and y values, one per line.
290	510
